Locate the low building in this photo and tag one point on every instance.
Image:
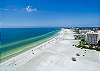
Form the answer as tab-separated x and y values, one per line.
84	31
92	38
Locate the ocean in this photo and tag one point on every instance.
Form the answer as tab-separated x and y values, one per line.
9	35
16	40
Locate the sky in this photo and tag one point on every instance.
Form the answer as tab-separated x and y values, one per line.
49	13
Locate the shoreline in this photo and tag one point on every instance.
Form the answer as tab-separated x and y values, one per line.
55	54
27	47
25	56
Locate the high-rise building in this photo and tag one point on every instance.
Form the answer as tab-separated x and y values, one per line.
92	38
98	31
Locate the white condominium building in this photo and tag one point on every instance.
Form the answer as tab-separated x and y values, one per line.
92	37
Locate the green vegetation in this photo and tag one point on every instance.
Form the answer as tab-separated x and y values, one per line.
98	46
84	44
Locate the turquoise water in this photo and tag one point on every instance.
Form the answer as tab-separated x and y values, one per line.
9	35
16	40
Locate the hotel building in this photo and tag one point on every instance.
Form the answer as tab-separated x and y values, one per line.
92	38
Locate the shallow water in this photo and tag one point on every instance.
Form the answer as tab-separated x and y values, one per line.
16	40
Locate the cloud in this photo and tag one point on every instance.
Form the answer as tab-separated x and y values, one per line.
27	9
35	9
4	9
30	9
1	24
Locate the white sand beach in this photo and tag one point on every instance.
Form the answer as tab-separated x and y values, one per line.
55	55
